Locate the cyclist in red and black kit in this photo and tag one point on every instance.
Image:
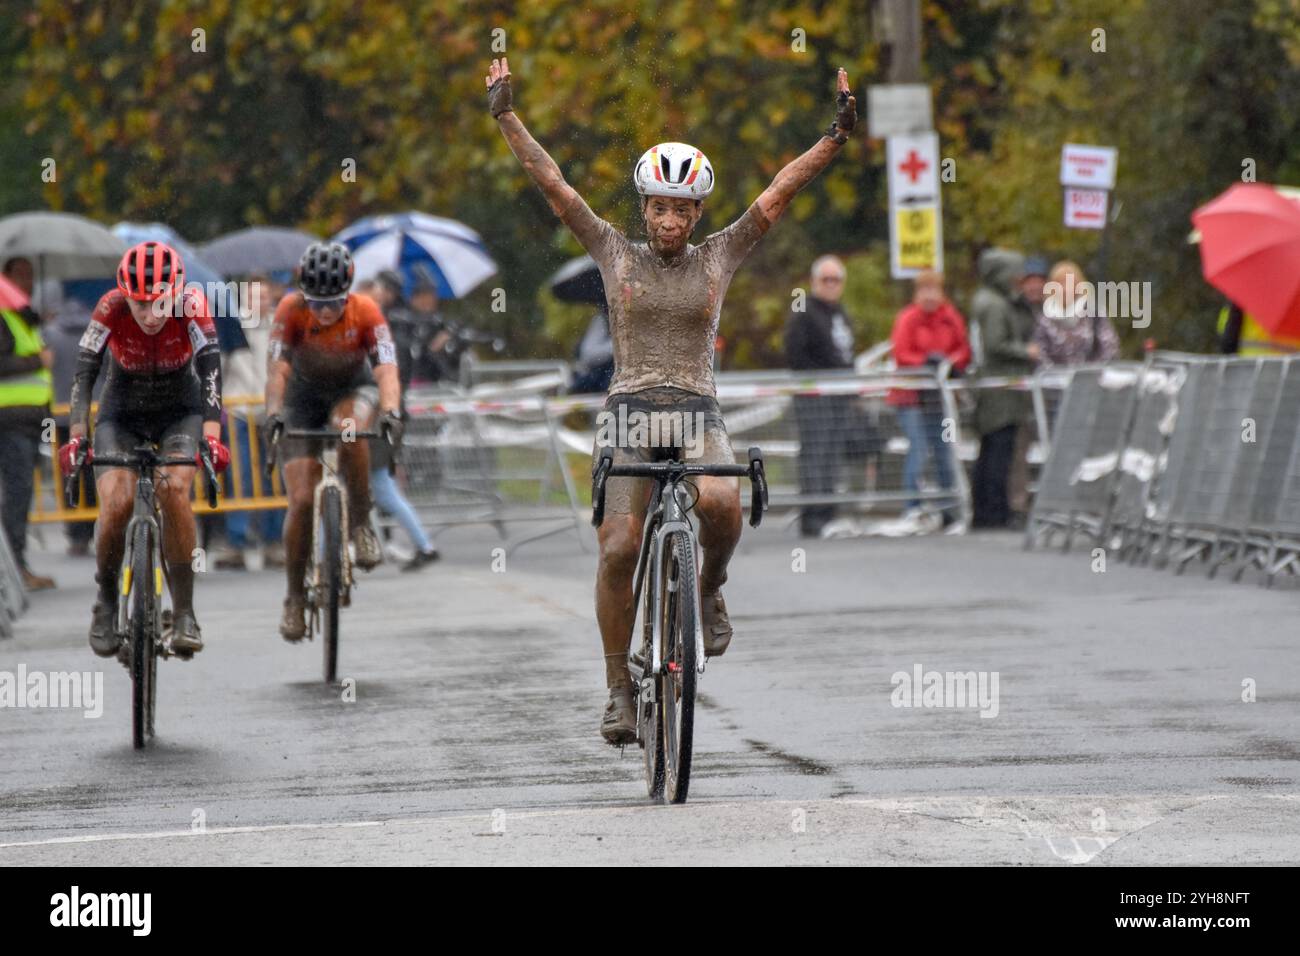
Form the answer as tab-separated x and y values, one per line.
332	362
162	385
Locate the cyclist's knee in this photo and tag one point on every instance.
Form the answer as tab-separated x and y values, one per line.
620	546
174	492
719	506
115	491
300	498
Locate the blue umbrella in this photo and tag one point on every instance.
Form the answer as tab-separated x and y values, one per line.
450	251
220	295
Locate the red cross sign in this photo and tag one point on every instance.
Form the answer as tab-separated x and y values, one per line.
914	166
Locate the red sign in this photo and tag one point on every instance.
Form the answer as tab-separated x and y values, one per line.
914	166
1086	208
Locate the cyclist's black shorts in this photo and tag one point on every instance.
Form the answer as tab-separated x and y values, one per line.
658	424
177	436
310	409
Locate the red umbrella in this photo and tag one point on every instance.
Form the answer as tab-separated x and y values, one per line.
11	297
1250	251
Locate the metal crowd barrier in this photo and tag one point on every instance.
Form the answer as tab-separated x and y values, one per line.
13	597
1205	465
244	485
511	454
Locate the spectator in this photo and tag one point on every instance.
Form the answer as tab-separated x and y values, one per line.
1033	284
390	500
401	323
593	365
26	391
1071	331
244	375
388	495
819	338
927	333
431	362
1006	324
67	315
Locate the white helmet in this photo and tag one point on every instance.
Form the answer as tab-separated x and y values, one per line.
673	169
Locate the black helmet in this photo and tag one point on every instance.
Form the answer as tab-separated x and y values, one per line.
326	270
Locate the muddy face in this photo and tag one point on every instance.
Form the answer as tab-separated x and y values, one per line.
670	221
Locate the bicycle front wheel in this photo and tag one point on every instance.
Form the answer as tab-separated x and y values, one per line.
331	559
677	697
144	661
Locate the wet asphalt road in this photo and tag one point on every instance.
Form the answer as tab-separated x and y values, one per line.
1120	737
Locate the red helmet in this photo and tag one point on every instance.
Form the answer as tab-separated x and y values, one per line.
150	270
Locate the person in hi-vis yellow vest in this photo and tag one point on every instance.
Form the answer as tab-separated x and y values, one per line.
26	390
1240	334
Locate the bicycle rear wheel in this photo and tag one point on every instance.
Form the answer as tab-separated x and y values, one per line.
677	698
144	660
331	560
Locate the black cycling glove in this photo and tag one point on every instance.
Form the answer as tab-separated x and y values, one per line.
392	428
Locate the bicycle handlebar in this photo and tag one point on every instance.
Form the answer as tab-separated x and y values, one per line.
324	434
145	458
327	433
674	471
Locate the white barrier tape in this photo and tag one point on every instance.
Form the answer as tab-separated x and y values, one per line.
1090	469
1138	463
1117	378
725	392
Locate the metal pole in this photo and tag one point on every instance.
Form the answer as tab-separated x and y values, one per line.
899	27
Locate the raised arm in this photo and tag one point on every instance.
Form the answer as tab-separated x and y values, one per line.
800	172
535	160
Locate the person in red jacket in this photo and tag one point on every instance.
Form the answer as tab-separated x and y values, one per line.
926	333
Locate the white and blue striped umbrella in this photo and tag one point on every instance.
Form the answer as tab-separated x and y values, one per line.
450	251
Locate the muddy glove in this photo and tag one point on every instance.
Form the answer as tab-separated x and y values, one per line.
499	94
846	116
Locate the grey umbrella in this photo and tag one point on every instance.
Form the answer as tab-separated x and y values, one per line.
61	245
257	249
578	280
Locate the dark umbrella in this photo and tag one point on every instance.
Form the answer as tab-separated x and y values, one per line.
578	280
257	249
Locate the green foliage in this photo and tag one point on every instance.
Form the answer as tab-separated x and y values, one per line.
256	128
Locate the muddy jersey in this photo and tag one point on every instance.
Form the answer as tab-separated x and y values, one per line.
663	314
171	374
335	358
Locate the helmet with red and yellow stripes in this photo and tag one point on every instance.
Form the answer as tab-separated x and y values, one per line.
673	169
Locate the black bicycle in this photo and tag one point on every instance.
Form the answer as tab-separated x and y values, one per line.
329	572
667	663
142	625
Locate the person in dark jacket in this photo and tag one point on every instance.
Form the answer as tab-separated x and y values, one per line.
26	391
1006	323
389	496
593	361
432	361
818	337
67	313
